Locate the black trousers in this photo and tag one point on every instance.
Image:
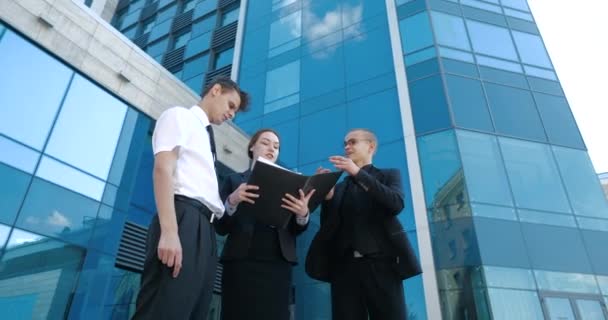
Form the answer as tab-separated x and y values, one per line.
367	286
188	296
256	290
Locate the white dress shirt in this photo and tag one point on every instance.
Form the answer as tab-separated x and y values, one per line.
195	175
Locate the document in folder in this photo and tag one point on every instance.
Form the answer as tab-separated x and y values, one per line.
274	181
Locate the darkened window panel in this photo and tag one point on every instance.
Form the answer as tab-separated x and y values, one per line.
114	289
87	129
429	105
547	86
558	120
450	30
280	116
181	40
282	87
255	48
289	133
554	219
414	290
13	185
420	56
142	194
138	216
160	30
255	86
584	191
464	56
224	58
158	48
108	228
468	103
387	126
317	295
230	16
531	49
195	83
325	101
203	26
368	53
517	4
43	272
415	32
483	168
501	243
55	211
17	155
442	173
188	5
548	245
503	77
514	304
310	127
514	112
166	13
130	19
533	176
285	33
147	25
195	66
323	72
26	70
491	40
422	69
455	244
595	244
371	86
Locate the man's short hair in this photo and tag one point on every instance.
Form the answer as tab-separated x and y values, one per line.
228	84
370	135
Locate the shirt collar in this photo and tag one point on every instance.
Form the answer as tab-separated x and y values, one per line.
201	115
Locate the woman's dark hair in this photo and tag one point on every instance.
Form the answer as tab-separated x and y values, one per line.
256	137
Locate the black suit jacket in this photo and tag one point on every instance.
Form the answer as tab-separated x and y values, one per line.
384	202
240	228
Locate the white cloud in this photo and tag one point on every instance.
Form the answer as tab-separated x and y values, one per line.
58	219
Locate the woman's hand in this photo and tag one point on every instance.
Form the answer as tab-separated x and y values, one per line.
245	192
299	206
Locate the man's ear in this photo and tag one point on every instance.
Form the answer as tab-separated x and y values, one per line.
217	89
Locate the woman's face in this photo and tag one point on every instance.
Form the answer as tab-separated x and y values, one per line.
266	147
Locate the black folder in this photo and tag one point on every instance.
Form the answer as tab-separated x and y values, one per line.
274	182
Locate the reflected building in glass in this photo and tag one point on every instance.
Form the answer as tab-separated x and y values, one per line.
604	181
502	203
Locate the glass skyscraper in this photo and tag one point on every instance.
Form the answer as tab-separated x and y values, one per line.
502	202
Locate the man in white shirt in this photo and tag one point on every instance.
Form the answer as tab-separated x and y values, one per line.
181	256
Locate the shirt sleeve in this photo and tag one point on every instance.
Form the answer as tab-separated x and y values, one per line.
230	210
302	220
169	131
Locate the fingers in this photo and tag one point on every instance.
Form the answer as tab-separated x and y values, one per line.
178	264
172	258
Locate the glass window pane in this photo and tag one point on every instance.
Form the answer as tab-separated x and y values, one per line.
498	63
552	219
166	13
55	211
230	16
195	66
224	58
330	63
590	309
450	30
160	30
4	230
592	224
204	7
534	178
203	26
429	105
481	5
559	309
282	81
541	73
70	178
310	148
17	155
321	18
491	40
468	103
517	4
368	52
196	83
558	120
32	85
514	112
42	273
496	212
584	191
87	129
416	32
13	185
388	127
420	56
456	54
198	45
603	282
189	5
531	49
285	29
514	304
181	40
500	243
441	170
509	278
108	226
158	48
569	282
483	168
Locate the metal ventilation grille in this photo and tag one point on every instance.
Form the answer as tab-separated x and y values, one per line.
223	71
149	11
181	21
132	250
225	3
224	35
174	58
217	284
142	40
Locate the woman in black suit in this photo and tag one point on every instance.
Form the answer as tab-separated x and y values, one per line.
257	258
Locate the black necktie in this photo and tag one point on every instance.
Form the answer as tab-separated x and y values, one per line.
212	142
